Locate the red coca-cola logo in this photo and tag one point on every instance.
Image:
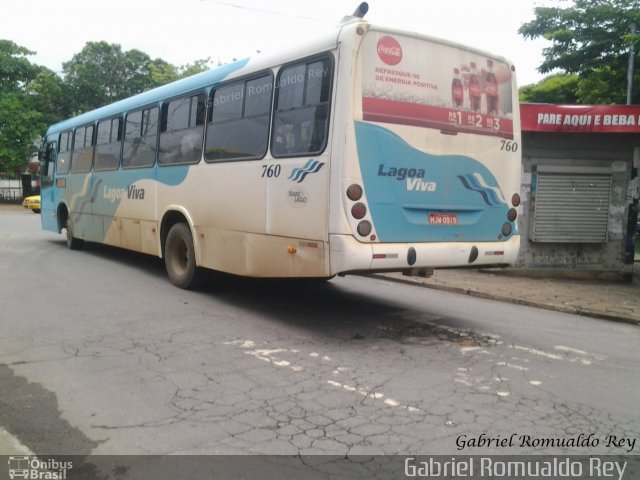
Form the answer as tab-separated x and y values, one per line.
389	50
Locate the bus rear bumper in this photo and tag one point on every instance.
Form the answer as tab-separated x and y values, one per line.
348	255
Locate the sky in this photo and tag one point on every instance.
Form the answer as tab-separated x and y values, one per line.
182	31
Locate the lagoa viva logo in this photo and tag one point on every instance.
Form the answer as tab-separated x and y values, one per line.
132	192
413	176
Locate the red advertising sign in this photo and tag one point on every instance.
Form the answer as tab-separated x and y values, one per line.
390	111
545	117
414	81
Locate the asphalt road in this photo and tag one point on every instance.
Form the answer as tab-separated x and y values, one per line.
100	354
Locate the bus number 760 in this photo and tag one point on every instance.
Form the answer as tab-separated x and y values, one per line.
508	145
270	171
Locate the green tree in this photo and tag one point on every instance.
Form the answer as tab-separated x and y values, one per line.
49	95
591	39
162	72
33	97
558	88
15	68
198	66
102	73
28	102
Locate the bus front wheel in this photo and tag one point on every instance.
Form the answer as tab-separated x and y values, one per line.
73	243
180	258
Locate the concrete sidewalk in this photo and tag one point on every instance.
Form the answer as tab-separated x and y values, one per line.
594	298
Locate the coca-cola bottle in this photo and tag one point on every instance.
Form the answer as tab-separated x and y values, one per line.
457	91
491	89
475	90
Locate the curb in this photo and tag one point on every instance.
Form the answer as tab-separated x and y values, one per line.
513	300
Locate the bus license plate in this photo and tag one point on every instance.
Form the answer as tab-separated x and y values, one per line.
443	219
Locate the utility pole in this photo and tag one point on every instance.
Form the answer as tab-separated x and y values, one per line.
632	54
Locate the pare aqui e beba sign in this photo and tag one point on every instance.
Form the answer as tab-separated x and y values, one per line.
587	119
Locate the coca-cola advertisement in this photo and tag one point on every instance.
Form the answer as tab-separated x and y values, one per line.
420	82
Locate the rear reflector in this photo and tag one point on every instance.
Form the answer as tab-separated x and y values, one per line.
380	256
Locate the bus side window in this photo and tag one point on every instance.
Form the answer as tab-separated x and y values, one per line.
108	142
182	130
239	120
301	116
64	155
82	154
141	133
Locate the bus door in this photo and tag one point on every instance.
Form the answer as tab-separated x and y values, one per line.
125	180
298	175
48	156
77	187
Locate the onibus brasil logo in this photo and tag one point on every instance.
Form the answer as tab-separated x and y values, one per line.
31	467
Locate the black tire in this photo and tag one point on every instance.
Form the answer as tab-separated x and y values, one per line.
72	242
180	258
35	210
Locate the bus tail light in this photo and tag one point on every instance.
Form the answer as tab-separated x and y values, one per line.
364	228
515	200
354	192
512	214
359	210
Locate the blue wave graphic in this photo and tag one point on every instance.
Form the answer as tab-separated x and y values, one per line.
299	174
489	196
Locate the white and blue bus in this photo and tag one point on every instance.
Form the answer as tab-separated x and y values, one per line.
368	150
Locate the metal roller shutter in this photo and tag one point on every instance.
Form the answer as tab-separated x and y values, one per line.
571	205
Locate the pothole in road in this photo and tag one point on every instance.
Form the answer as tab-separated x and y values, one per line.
431	333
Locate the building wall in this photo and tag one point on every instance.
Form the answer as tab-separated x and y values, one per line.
611	151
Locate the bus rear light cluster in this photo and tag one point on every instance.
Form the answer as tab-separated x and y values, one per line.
359	210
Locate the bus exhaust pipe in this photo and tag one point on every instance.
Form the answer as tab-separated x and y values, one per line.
359	12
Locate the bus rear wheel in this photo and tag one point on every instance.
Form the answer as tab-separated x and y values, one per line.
180	258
